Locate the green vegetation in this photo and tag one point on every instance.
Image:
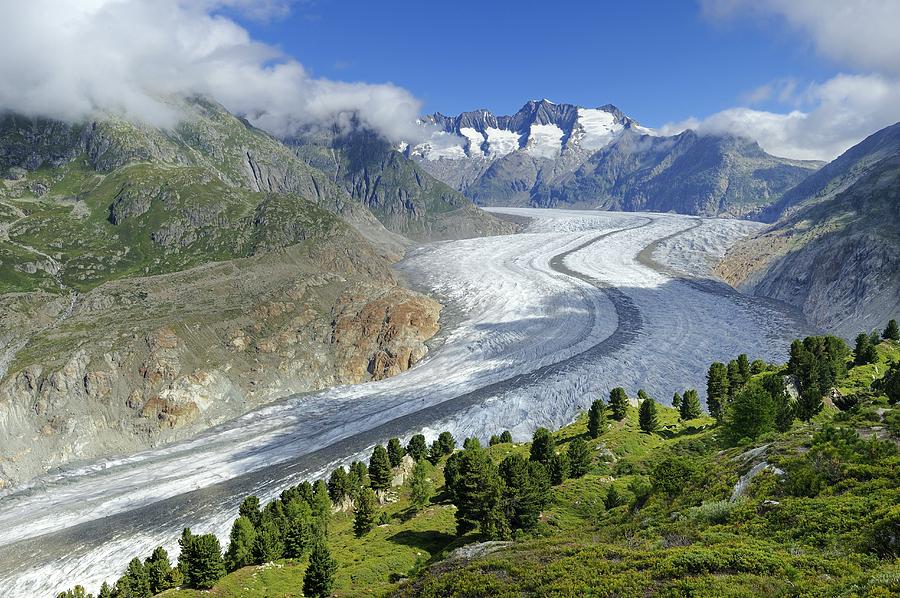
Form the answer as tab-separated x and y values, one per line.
765	503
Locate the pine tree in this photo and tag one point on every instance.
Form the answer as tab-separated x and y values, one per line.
735	380
647	418
690	405
357	478
750	414
364	512
420	487
417	448
743	364
76	592
618	403
476	493
506	436
494	440
446	442
250	509
135	583
757	367
380	469
596	418
717	389
338	486
890	384
892	332
526	491
543	446
318	580
558	468
159	571
105	591
300	531
202	559
784	407
471	442
435	453
395	452
268	545
579	458
676	401
865	351
613	499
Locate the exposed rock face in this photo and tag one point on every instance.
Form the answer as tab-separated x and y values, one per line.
834	253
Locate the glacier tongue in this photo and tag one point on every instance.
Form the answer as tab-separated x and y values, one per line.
541	324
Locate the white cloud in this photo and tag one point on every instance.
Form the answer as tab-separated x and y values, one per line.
826	118
72	59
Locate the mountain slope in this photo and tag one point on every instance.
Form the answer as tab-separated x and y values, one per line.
156	282
836	251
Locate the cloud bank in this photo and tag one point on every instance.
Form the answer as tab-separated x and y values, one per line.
826	118
72	59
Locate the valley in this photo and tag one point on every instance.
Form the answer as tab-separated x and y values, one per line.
535	325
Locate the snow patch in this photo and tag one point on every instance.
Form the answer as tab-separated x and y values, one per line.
501	142
596	128
544	141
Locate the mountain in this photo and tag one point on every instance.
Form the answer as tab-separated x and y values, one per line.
561	155
835	249
154	282
688	173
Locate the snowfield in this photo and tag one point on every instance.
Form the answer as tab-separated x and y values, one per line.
537	325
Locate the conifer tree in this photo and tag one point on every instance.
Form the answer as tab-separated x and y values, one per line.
506	436
395	452
647	417
250	509
338	486
743	364
417	448
202	560
750	414
716	389
357	478
757	367
543	446
579	458
676	401
380	469
735	380
318	580
865	351
268	545
435	453
364	512
240	544
526	490
471	442
420	487
690	405
494	440
892	332
105	591
159	571
558	468
890	384
446	442
301	530
135	583
618	403
596	418
476	493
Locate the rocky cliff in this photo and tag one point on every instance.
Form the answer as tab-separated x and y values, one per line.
157	282
835	250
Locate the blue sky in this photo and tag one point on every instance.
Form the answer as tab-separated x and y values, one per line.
659	61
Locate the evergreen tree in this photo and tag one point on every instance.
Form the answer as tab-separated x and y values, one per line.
420	487
318	580
451	473
301	530
750	414
338	485
105	591
892	332
579	458
320	505
526	490
716	389
735	379
240	544
357	478
76	592
558	468
494	440
364	513
250	509
395	452
471	442
757	367
159	571
417	448
890	384
506	436
380	469
476	493
618	403
690	405
543	446
269	544
642	396
743	364
865	350
596	418
446	442
202	560
676	401
647	417
613	499
435	453
784	405
135	583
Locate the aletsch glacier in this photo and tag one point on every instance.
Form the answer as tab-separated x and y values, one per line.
532	345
